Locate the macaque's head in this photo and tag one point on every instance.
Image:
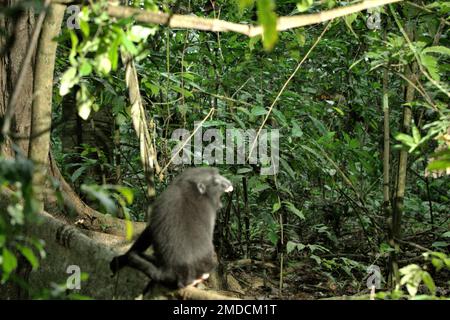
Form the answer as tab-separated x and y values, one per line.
209	182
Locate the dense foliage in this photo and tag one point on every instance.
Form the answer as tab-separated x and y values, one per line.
320	226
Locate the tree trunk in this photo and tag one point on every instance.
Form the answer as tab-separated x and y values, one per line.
410	74
18	30
41	111
13	49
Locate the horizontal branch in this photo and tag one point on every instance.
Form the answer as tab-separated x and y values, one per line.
216	25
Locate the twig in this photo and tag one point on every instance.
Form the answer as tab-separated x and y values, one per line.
284	87
412	244
185	142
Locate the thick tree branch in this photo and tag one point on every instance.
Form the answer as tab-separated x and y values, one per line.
216	25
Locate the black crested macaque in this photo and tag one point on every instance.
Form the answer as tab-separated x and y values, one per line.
180	229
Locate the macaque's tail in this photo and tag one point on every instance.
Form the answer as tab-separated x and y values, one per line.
118	263
140	245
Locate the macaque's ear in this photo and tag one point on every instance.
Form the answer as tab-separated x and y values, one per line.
201	188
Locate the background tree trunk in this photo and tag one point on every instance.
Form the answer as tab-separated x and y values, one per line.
19	30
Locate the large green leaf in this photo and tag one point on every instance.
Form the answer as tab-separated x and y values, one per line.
268	19
9	263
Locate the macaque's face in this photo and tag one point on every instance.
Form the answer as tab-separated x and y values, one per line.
214	186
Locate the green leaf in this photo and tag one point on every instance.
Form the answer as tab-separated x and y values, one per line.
268	19
385	247
316	258
84	27
29	255
286	167
412	289
77	173
280	117
438	165
188	76
245	4
129	230
339	110
439	244
291	207
431	64
300	36
73	50
319	125
127	193
276	207
258	111
16	213
239	121
438	264
244	170
9	263
114	52
128	45
139	33
183	91
429	282
437	49
84	110
273	237
405	139
260	187
296	130
153	88
446	234
68	80
85	68
252	42
349	19
100	195
104	65
290	246
304	5
416	134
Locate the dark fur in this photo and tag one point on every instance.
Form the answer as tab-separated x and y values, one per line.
181	230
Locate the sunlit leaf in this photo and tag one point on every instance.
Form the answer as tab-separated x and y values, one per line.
68	80
84	27
245	3
140	33
129	230
437	49
304	5
85	68
268	20
127	193
429	282
103	64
